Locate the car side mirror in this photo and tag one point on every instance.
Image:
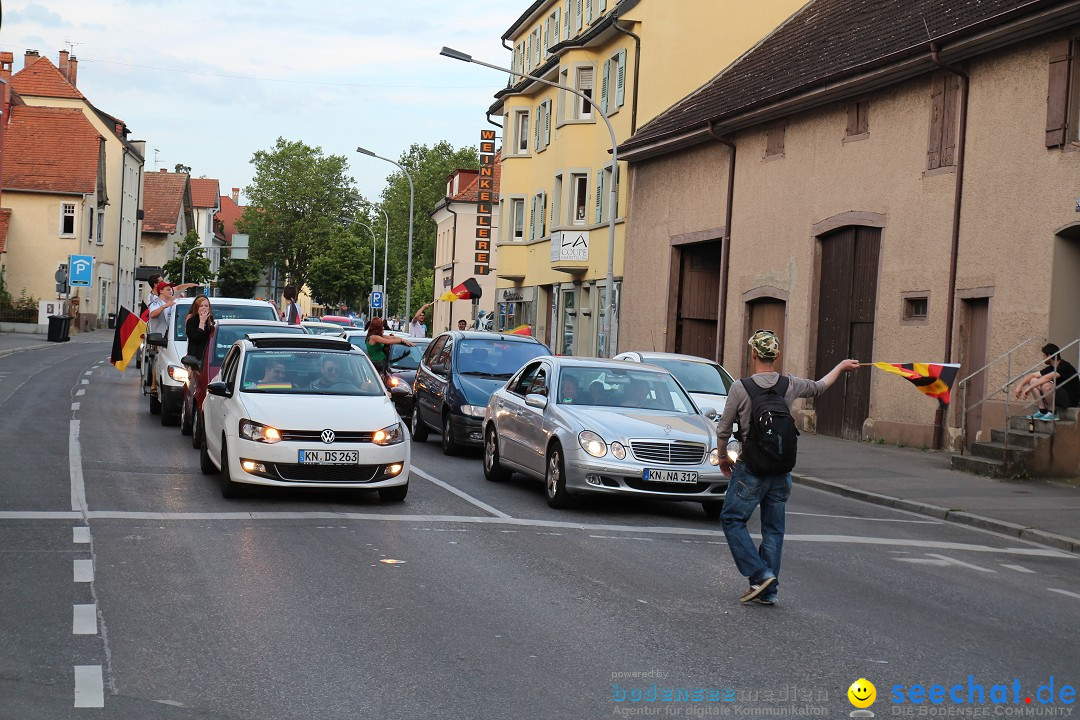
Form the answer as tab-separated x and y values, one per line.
440	369
536	400
156	339
709	412
218	388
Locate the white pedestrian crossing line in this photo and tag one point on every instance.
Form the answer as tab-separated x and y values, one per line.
84	382
80	393
84	620
1017	568
1065	592
88	372
80	534
959	563
76	406
83	571
89	686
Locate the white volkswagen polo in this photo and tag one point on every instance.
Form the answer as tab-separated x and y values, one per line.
303	411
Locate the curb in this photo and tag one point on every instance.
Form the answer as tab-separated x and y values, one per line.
12	351
1023	532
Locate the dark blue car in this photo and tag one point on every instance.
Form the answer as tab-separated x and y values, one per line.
457	375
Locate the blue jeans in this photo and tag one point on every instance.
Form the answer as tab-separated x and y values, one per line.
745	492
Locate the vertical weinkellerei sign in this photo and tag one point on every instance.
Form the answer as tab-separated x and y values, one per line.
484	201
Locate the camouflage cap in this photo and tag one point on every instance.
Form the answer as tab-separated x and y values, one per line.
765	344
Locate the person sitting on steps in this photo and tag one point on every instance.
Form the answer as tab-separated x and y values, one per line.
1055	387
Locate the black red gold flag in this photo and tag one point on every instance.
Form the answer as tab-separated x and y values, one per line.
933	379
128	336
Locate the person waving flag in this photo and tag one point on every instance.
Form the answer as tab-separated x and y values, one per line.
130	329
932	379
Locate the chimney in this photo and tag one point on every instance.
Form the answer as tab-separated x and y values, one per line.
63	67
73	69
236	196
164	170
30	58
6	61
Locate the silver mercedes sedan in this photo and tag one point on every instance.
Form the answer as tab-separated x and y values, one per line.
589	426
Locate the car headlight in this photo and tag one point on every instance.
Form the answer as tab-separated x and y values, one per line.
177	373
389	435
474	410
618	450
592	443
258	432
714	456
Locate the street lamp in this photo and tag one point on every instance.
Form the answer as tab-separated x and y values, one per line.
412	196
465	57
386	246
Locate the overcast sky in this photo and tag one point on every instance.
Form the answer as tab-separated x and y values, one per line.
209	83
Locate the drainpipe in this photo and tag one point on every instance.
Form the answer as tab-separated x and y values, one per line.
453	253
138	241
492	122
958	199
725	251
637	71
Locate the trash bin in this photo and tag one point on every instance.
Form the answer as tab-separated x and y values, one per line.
112	321
59	327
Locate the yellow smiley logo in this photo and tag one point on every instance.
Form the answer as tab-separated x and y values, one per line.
862	693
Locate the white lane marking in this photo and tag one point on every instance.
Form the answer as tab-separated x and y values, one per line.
84	382
463	495
38	515
958	563
83	571
925	561
853	517
1065	592
78	487
89	686
80	534
1017	568
84	620
88	372
81	392
76	406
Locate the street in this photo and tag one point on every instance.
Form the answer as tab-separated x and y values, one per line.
129	584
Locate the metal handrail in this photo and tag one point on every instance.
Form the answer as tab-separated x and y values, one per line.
1009	352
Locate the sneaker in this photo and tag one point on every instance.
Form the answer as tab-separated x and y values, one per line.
1034	416
1047	416
756	590
766	599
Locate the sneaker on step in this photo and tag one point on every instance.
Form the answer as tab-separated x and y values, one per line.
756	590
1049	417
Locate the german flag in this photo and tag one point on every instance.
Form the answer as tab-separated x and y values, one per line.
129	332
468	290
933	379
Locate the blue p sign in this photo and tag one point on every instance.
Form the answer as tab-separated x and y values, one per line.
82	270
376	301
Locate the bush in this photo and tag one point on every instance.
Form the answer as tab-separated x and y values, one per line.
22	309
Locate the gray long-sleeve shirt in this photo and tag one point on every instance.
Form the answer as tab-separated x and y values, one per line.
737	408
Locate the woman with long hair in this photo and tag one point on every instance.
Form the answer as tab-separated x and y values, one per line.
198	323
377	340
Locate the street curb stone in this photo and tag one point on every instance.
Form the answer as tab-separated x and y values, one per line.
1022	532
12	351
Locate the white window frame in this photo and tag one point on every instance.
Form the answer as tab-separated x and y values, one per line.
517	212
67	211
579	102
521	132
100	227
579	183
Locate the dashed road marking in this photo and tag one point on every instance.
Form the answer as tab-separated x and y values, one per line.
88	372
1065	592
83	571
81	392
84	620
959	563
76	406
461	494
80	534
1017	568
89	686
84	382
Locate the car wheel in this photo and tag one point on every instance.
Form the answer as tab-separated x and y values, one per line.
394	494
417	427
196	429
170	413
449	447
186	425
493	471
205	463
155	403
555	480
712	509
229	489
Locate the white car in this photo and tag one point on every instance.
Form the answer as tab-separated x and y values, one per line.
706	381
303	411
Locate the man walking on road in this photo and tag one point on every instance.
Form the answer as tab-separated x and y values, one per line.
769	489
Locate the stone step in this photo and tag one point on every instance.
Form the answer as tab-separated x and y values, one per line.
979	465
1019	438
1041	426
998	451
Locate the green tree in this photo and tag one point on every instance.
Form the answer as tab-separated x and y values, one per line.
197	268
342	273
294	202
182	168
238	278
429	167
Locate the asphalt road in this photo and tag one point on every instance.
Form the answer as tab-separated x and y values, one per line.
130	589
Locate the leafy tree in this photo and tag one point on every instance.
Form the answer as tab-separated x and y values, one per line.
197	268
182	168
238	278
294	202
342	273
429	167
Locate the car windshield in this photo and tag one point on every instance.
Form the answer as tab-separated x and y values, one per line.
610	387
226	335
403	357
309	372
224	311
495	358
697	377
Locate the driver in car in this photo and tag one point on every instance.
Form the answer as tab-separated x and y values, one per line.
331	375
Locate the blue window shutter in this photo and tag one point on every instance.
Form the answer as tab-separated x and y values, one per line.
604	87
577	16
532	219
588	10
543	214
558	17
620	81
566	20
599	197
536	128
537	48
530	50
547	123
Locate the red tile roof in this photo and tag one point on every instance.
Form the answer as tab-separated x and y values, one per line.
5	220
163	200
204	192
472	192
228	215
53	149
43	79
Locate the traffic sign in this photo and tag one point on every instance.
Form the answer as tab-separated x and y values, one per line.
376	301
82	270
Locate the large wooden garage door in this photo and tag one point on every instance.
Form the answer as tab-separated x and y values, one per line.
765	314
699	294
847	302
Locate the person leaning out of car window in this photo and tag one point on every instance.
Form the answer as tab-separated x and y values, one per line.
377	341
198	323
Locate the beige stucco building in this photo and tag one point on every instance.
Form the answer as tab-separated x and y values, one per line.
882	206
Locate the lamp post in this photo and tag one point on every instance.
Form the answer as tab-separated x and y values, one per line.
386	254
412	197
465	57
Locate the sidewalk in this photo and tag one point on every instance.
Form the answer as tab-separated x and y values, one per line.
13	342
1042	511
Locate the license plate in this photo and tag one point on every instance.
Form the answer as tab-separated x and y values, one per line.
329	457
671	476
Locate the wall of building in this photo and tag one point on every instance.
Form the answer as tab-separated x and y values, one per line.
34	246
454	263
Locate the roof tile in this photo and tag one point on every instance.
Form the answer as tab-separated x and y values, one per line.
471	193
163	199
53	149
204	192
42	79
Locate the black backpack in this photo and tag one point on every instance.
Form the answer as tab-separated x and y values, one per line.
771	444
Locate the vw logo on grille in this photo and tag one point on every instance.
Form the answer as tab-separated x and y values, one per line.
328	436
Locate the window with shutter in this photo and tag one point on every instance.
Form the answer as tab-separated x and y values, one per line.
554	38
547	122
529	52
579	190
599	197
603	5
532	219
577	17
620	78
543	214
1058	92
583	107
566	20
588	10
537	124
537	48
945	91
604	87
774	143
858	122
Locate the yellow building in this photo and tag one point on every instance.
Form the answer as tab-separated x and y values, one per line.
633	59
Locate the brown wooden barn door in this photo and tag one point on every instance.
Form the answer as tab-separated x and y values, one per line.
699	295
